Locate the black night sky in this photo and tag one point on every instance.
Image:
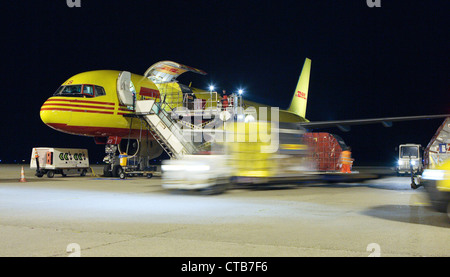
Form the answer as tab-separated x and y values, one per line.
366	62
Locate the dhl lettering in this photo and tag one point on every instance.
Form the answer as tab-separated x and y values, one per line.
170	69
301	95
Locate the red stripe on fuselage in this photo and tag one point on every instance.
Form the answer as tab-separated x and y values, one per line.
79	106
100	131
80	101
75	110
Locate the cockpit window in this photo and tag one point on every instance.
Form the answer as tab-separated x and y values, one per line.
80	91
74	90
58	91
99	91
88	90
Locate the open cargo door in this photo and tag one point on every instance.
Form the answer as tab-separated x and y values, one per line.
124	90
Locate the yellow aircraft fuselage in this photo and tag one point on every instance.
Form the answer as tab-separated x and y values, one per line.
87	104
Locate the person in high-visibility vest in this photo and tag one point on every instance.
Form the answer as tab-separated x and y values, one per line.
224	100
36	156
346	160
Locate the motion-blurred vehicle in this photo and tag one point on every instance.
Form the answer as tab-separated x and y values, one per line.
437	185
208	174
251	157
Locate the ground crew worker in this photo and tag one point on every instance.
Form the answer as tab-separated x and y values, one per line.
224	101
232	99
346	160
36	156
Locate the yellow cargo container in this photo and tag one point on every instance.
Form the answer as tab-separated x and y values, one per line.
260	153
437	184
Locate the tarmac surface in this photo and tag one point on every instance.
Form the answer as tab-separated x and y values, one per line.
93	216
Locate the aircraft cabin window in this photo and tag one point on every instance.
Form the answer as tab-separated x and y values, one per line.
88	90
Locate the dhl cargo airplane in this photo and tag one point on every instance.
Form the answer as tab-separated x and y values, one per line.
90	104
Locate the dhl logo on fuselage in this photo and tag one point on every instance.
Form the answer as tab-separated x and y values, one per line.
301	95
171	70
86	106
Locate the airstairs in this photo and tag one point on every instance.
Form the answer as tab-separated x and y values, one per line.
164	115
166	131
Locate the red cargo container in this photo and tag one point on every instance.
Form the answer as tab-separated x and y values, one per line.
438	149
324	150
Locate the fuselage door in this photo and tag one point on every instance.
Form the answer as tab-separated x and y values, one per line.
124	91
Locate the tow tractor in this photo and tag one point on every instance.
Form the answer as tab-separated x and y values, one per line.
129	168
410	162
409	159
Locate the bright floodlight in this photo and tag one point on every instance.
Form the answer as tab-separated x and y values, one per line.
240	91
211	88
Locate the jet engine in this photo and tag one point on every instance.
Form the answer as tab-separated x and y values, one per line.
130	147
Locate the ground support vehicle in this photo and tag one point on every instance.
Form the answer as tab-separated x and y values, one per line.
437	185
250	156
130	167
206	174
50	161
437	151
409	159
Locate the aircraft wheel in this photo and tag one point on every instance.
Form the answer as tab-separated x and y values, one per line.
122	174
149	175
117	169
83	173
106	171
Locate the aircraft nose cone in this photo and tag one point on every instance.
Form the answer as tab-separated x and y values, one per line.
47	113
46	116
54	114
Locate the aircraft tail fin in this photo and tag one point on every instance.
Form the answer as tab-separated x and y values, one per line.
300	99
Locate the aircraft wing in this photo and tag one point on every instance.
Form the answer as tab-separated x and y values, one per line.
344	125
168	71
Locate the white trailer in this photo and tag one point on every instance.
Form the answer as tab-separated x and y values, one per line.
49	160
